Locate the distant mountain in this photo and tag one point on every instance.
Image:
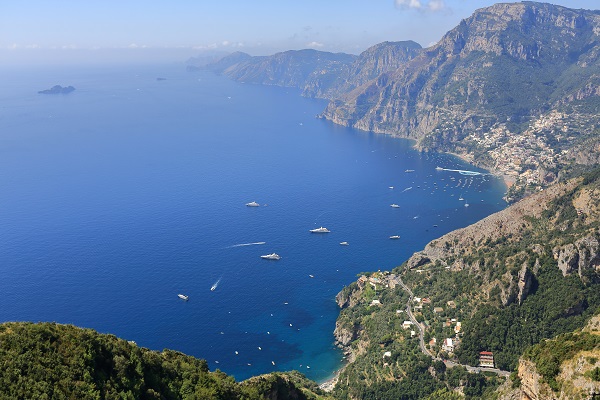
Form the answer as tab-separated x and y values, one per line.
317	70
514	88
317	73
505	62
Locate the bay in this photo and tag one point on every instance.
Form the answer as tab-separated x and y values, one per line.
130	190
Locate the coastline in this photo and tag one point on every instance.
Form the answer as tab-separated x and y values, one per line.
328	384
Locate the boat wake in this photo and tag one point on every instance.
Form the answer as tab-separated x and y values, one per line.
407	189
245	244
216	284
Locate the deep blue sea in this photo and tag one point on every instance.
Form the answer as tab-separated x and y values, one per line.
130	190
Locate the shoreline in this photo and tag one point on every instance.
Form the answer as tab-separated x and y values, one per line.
328	384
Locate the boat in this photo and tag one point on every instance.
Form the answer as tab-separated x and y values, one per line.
214	286
252	204
272	256
394	205
344	243
461	198
409	170
320	230
395	237
183	297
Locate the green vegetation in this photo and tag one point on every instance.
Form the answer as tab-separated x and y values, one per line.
51	361
548	355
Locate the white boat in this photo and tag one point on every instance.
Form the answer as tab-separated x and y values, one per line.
461	198
394	205
272	256
183	297
409	170
395	237
320	230
252	204
344	243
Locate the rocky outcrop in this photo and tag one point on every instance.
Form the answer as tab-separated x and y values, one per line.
344	334
572	381
532	386
510	222
579	256
524	283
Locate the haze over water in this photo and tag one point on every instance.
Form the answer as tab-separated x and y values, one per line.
130	190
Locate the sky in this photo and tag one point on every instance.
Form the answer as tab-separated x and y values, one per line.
171	30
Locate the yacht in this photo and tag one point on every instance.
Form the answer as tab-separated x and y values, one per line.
320	230
395	237
394	205
272	256
252	204
183	297
344	243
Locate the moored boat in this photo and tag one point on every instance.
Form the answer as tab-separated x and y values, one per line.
272	256
320	230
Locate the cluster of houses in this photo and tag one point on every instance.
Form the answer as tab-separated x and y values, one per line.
381	280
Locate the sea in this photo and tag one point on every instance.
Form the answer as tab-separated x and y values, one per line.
132	189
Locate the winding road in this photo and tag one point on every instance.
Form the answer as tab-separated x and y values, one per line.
449	364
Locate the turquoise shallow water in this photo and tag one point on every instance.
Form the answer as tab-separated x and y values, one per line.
130	190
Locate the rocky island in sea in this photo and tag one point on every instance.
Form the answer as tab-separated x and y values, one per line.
57	89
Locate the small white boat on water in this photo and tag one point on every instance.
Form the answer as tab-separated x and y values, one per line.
272	256
395	237
394	205
183	297
344	243
320	230
252	204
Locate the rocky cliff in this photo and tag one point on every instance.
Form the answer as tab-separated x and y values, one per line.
572	360
504	62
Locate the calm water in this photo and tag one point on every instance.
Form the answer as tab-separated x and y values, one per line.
130	190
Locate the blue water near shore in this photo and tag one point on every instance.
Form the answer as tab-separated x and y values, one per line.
130	190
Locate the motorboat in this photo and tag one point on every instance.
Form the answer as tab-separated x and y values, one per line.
395	237
344	243
183	297
252	204
272	256
320	230
394	205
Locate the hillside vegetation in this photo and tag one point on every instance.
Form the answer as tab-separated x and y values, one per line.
520	276
52	361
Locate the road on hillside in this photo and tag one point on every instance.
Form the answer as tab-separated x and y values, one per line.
449	364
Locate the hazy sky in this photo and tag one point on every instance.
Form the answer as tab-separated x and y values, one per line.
178	29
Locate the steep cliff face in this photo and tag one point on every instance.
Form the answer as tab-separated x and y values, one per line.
379	59
562	368
505	61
